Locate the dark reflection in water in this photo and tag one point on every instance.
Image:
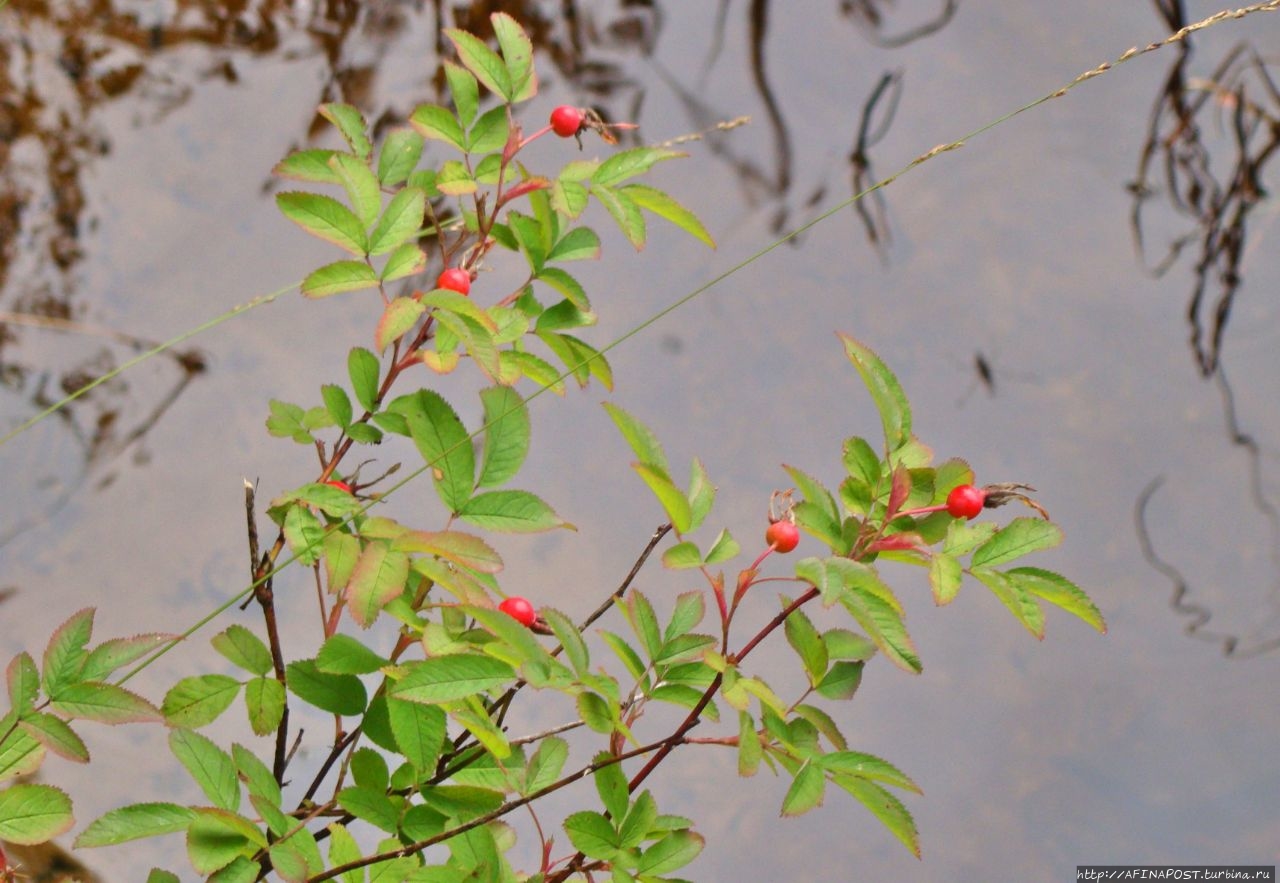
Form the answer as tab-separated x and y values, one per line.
1208	142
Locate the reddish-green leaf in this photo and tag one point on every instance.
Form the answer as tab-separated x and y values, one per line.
399	156
463	549
886	392
338	277
19	753
517	52
363	190
379	575
31	814
308	165
53	733
23	682
65	653
105	703
483	62
134	822
438	124
405	260
399	316
326	218
110	656
341	551
351	124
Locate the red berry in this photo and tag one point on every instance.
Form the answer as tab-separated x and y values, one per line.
455	279
519	609
340	485
566	121
783	536
966	501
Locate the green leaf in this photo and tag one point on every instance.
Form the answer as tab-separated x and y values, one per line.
446	678
808	644
702	494
823	723
336	694
818	496
325	218
1015	597
474	716
341	552
625	213
723	549
286	422
371	806
682	556
110	656
595	713
133	822
104	703
639	612
405	260
264	701
344	655
419	732
1017	538
749	748
338	403
575	648
945	576
483	62
364	434
670	853
644	443
455	180
805	792
53	733
399	316
198	700
841	681
963	536
592	834
625	652
465	91
343	849
400	222
399	156
351	124
438	124
1060	591
611	785
629	163
217	839
883	625
308	165
462	549
654	200
444	444
361	184
578	244
23	682
244	649
506	435
362	365
517	52
673	499
31	814
489	134
861	462
568	197
886	392
582	360
257	777
304	532
65	653
546	764
511	511
19	752
210	767
867	766
884	806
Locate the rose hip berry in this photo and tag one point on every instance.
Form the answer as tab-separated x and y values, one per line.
519	609
455	279
966	501
566	121
783	536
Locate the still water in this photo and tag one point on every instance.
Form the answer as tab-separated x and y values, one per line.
1037	333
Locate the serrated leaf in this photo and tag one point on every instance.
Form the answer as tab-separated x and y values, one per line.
336	694
517	52
257	777
546	764
325	218
808	644
379	576
31	814
304	532
702	494
399	316
446	678
401	220
841	680
19	753
883	625
1060	591
506	436
344	655
264	700
363	190
805	792
578	244
575	648
406	259
625	213
462	549
639	612
489	134
444	444
483	62
963	536
308	165
419	731
643	442
1017	538
104	703
399	156
210	767
945	576
438	124
511	511
198	700
362	367
133	822
455	179
664	206
23	682
465	91
682	556
1015	597
569	197
592	834
54	734
886	392
884	806
221	841
65	653
626	653
351	124
628	163
110	656
672	852
673	500
341	552
867	766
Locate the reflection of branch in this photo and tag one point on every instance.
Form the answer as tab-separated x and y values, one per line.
1198	616
867	11
874	217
